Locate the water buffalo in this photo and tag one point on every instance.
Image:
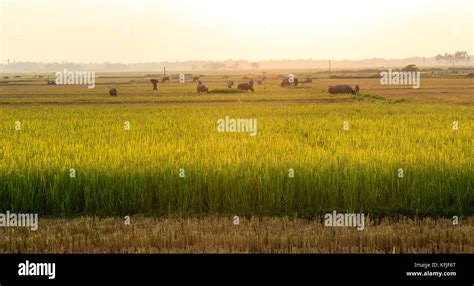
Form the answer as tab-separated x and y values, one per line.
154	82
286	81
51	82
200	88
343	88
230	83
166	78
245	87
113	92
196	78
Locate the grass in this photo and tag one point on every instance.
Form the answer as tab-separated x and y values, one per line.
121	172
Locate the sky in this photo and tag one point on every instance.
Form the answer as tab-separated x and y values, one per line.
177	30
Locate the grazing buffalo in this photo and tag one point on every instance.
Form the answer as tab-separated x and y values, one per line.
470	74
196	78
154	81
201	88
260	79
51	82
343	88
230	83
286	81
166	78
113	92
245	87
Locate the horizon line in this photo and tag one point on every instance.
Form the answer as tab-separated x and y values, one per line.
4	61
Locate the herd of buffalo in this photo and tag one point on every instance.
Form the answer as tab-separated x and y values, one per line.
246	86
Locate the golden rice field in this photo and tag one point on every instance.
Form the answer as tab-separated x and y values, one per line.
124	172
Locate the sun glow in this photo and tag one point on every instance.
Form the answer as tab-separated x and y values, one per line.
112	30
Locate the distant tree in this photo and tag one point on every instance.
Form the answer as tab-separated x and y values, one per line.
410	68
448	58
439	58
458	56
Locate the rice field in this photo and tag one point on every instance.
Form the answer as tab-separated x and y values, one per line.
66	152
211	127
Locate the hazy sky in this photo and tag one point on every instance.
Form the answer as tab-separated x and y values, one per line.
139	31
